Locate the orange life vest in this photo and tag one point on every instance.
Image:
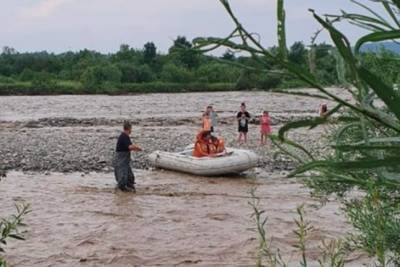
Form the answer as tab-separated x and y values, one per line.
221	145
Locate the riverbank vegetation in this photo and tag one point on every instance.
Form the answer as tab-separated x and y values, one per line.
182	69
363	167
10	227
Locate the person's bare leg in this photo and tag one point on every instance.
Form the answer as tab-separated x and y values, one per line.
262	139
267	141
245	137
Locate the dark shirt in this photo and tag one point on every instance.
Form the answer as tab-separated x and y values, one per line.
246	120
124	141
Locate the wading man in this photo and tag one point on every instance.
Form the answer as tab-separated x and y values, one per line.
122	164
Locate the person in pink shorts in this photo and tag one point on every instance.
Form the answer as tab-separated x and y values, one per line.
265	127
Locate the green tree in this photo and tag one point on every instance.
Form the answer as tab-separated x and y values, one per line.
43	80
149	52
298	53
216	72
183	53
135	74
176	74
96	77
228	55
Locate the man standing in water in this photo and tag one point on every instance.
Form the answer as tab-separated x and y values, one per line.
122	169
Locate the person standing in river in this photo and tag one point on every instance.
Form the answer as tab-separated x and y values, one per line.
122	165
243	118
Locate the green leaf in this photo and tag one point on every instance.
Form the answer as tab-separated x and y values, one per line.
364	164
391	13
397	3
341	42
299	124
385	92
16	237
282	30
377	37
365	147
379	17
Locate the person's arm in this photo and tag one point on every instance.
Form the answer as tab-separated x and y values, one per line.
247	115
239	116
134	148
131	147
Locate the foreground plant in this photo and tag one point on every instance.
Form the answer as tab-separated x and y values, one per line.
9	228
366	136
332	251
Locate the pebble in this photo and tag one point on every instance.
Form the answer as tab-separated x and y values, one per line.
45	146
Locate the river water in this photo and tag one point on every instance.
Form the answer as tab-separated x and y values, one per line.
79	219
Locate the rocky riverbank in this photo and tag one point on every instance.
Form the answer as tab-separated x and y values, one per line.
80	135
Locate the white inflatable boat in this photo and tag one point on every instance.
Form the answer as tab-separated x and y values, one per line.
235	161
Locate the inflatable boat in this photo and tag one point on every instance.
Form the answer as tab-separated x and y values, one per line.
234	161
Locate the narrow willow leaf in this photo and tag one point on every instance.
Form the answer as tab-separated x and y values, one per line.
364	164
16	237
342	44
329	114
299	124
391	176
397	3
377	37
365	147
380	18
275	140
282	30
312	123
383	140
385	92
391	13
367	20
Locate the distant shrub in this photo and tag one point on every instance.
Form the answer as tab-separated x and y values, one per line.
131	73
217	72
176	74
27	75
246	80
7	80
96	77
44	80
269	81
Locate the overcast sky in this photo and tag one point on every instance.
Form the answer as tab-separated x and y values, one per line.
102	25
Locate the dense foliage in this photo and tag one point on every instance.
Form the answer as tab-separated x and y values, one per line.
142	70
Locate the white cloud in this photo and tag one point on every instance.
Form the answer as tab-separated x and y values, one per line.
43	9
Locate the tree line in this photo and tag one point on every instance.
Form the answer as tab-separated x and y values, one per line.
181	69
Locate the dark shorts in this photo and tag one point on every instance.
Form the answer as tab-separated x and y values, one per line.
243	129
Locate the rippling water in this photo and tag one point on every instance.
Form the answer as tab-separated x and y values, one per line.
173	219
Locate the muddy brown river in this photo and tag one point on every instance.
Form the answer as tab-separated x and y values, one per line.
79	219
